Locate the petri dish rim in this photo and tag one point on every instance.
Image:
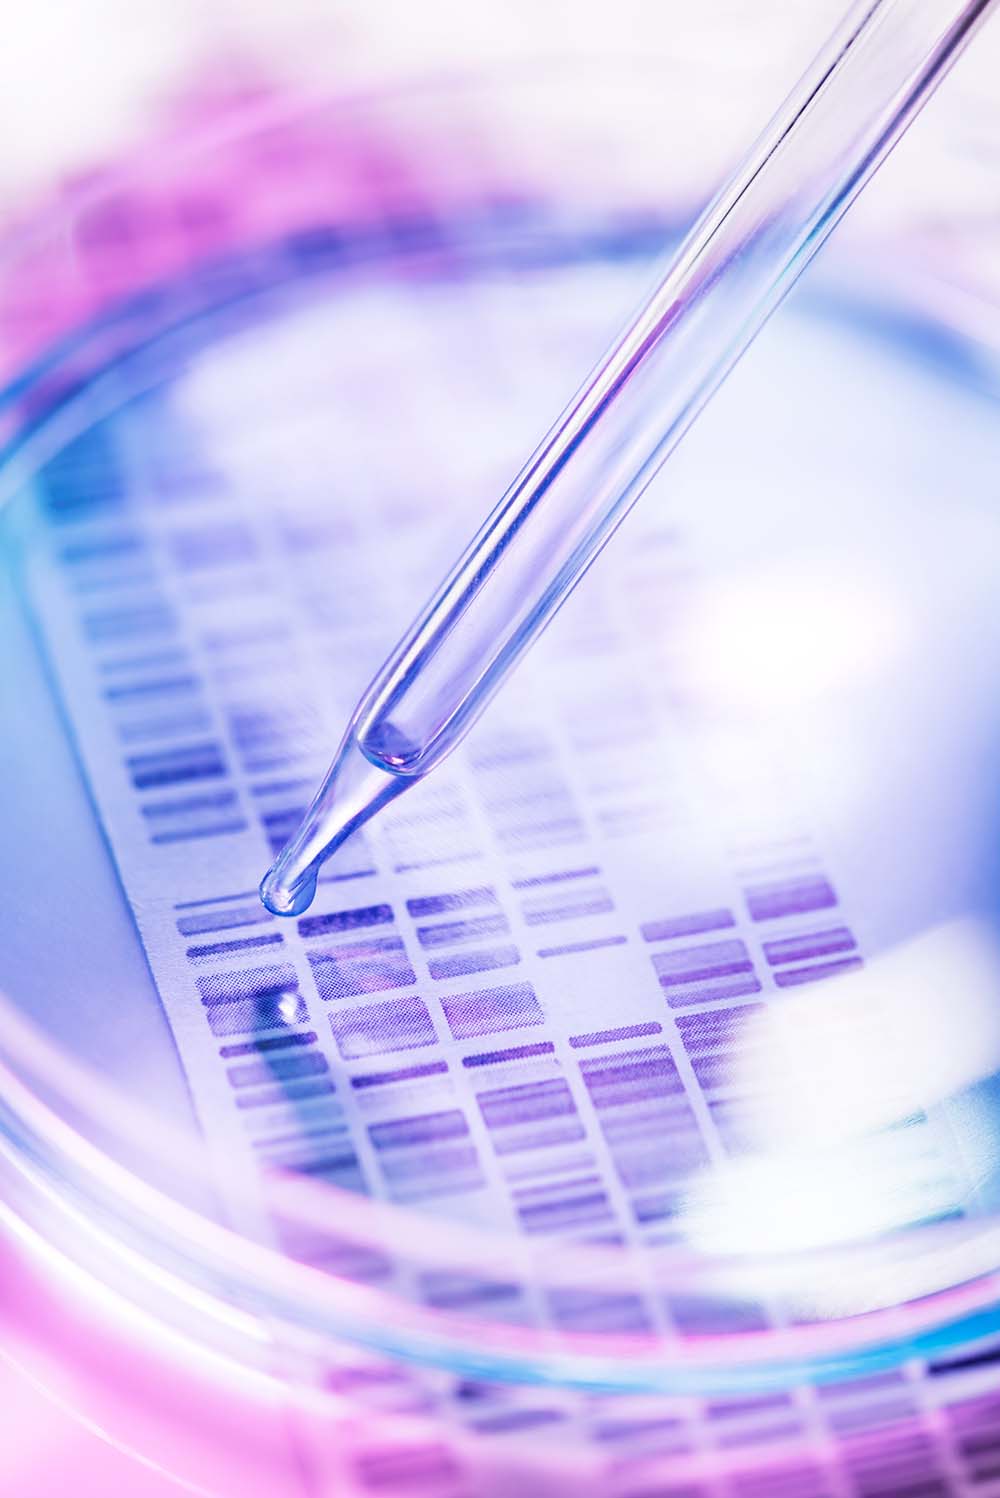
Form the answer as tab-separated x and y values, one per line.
48	1154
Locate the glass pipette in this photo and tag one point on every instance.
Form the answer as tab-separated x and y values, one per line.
732	271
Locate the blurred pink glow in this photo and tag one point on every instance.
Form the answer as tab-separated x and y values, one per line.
69	1360
230	167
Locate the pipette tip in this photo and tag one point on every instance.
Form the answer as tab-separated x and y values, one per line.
284	896
354	790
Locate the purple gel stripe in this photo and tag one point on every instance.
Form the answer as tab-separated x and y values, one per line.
357	951
342	1164
660	1208
631	1077
458	900
687	925
809	944
279	1042
244	1017
296	1092
176	766
602	1311
579	1209
710	993
278	787
713	1070
440	1171
624	1032
250	983
793	977
244	894
451	932
767	902
328	1128
372	968
518	1420
597	904
223	920
491	1010
538	879
204	801
473	962
217	829
166	684
546	1137
345	920
503	1107
700	1315
583	946
278	1069
399	1025
702	974
632	1430
425	1128
516	1053
707	1031
404	1074
217	948
713	960
450	1289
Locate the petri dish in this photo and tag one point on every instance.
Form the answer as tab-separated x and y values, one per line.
626	1108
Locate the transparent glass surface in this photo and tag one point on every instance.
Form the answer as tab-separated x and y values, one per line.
639	1073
